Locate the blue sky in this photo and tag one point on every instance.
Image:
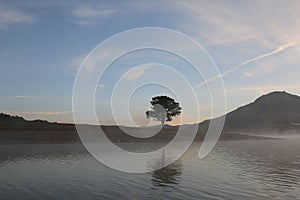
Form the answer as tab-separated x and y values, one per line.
255	45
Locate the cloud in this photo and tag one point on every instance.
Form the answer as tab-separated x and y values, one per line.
221	23
39	113
76	62
279	49
88	15
23	96
263	89
257	58
285	60
135	73
9	16
101	86
259	88
89	63
90	12
92	60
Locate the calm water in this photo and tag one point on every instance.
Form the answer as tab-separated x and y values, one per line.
258	169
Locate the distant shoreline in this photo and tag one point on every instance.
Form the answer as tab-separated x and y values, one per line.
115	134
271	114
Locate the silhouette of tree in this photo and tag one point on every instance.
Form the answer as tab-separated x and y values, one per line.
163	109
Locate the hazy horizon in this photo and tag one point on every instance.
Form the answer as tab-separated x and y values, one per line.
157	123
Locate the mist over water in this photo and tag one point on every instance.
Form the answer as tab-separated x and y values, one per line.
249	169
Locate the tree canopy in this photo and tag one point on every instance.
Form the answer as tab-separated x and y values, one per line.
163	109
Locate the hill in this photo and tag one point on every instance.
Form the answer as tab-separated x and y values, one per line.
8	122
276	112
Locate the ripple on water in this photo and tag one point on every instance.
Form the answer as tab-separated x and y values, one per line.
234	170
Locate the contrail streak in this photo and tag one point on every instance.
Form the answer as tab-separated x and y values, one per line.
278	50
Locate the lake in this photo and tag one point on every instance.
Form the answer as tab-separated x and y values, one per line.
248	169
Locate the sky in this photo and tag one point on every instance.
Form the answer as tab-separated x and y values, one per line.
254	44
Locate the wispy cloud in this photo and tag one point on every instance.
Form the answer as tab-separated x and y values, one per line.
94	60
23	96
257	58
135	73
39	113
221	23
76	62
288	59
100	86
10	16
88	15
89	64
263	89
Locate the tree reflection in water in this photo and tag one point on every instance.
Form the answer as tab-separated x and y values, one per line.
168	176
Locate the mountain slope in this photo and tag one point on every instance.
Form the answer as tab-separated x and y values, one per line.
276	111
8	122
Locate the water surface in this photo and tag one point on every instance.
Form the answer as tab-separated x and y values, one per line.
250	169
